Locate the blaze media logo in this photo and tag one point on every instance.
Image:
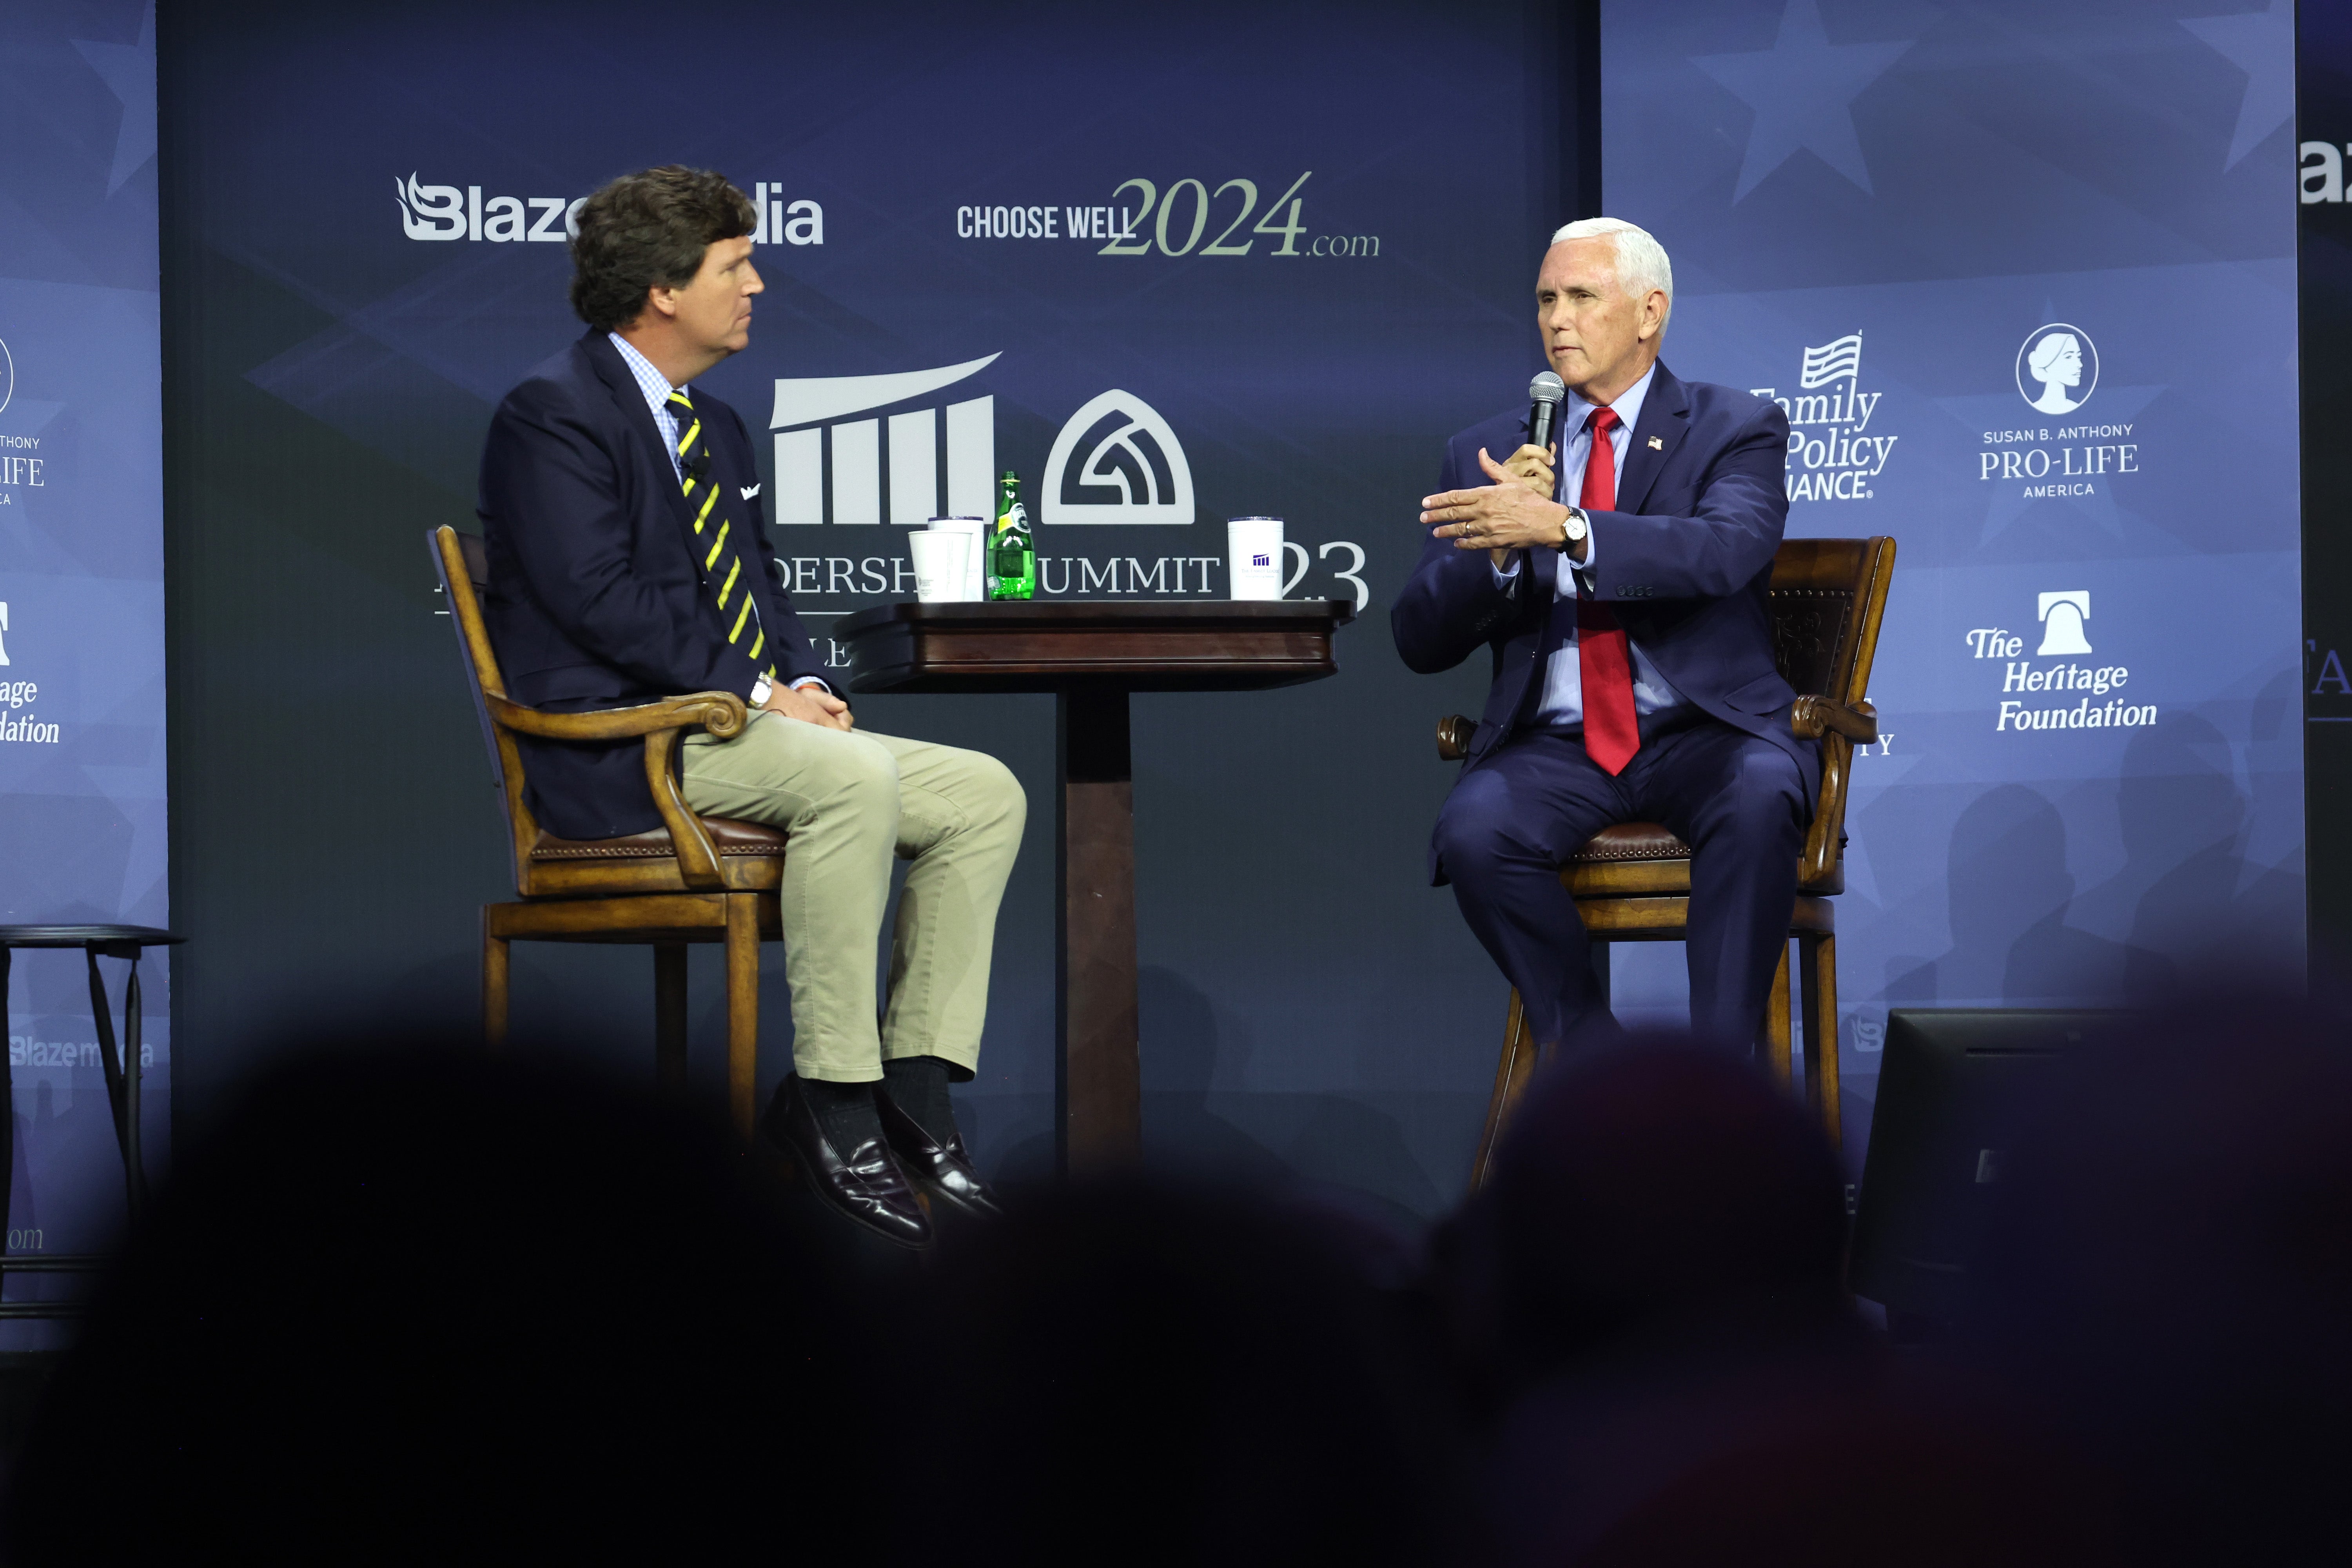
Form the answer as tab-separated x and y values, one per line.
450	212
1829	426
1117	461
2062	361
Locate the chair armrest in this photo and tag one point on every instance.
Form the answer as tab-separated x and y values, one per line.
722	713
1810	717
1453	732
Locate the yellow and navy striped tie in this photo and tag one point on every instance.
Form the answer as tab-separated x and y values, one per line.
714	533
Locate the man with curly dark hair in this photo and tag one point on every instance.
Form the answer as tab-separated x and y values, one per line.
630	561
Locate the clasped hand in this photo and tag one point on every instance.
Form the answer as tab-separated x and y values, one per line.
809	705
1513	513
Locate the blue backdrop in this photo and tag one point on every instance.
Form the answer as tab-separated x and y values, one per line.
82	823
1270	255
2024	275
1239	252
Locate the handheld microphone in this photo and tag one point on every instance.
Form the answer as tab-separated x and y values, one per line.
1545	393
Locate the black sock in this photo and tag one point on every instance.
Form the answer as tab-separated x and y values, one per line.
844	1112
919	1085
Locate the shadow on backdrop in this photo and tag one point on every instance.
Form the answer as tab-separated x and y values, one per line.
2009	895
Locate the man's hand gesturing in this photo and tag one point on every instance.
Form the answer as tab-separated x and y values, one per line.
1506	515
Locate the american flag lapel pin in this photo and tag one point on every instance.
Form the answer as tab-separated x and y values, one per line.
1657	443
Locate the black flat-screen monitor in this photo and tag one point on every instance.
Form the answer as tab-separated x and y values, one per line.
1951	1090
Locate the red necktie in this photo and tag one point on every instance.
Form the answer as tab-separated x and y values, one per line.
1604	661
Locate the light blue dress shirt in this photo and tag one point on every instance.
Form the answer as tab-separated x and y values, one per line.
657	389
1562	704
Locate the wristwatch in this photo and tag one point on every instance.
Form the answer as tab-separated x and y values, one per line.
760	689
1575	527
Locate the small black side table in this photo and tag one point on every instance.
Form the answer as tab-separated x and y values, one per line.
122	1074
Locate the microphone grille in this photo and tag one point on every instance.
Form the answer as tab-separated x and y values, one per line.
1547	388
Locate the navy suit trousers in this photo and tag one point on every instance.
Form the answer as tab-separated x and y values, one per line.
1513	821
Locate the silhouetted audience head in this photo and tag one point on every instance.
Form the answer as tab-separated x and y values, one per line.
1638	1185
1157	1374
412	1305
2170	1274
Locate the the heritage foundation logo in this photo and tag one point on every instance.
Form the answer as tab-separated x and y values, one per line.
1832	455
17	723
2063	613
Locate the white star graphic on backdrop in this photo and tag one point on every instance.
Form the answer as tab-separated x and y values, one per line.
1800	89
2261	45
129	71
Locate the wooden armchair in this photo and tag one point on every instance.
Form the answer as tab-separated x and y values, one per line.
695	878
1631	882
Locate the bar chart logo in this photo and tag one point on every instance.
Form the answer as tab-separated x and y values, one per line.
1117	461
831	468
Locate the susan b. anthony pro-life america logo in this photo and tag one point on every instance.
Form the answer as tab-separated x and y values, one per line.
2057	368
2069	458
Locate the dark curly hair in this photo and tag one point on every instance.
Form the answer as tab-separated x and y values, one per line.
649	230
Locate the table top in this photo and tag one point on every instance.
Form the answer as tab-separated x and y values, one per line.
1055	645
84	935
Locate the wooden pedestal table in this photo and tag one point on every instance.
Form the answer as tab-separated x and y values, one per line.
1091	654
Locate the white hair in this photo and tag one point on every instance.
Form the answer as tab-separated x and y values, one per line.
1642	263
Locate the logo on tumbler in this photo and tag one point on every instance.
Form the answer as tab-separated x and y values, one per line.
2063	361
1117	461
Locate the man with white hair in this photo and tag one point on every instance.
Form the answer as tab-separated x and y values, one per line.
1618	579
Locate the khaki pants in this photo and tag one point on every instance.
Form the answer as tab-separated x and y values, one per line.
847	802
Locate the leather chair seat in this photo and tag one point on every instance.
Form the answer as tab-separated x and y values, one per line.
728	836
1631	841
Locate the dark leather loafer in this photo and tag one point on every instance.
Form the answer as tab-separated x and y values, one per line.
864	1182
944	1170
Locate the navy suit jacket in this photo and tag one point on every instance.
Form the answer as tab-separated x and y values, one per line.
596	599
1683	562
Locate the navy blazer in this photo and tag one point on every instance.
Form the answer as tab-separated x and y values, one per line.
596	599
1684	562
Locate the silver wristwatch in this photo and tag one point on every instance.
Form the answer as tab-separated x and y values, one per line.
761	690
1576	527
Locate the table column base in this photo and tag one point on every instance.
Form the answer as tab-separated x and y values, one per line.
1097	1076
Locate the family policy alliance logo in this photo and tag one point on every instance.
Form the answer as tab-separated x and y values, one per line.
1829	426
2064	363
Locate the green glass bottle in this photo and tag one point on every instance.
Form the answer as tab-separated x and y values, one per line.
1011	551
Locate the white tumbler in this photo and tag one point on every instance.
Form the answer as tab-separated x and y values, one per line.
939	557
974	587
1254	557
